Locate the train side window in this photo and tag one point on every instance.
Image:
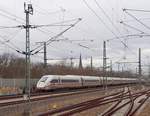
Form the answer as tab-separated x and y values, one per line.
54	81
91	80
68	81
44	79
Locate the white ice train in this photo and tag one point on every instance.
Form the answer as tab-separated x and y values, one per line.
50	82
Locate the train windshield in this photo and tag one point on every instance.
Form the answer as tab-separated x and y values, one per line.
43	79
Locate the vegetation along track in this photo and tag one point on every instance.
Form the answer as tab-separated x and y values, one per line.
121	99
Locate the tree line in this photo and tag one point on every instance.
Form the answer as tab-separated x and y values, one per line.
12	66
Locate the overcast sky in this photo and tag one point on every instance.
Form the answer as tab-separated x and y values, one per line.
100	21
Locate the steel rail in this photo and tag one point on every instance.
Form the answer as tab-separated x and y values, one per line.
46	97
114	106
139	106
69	110
131	105
87	107
121	106
131	101
79	105
6	97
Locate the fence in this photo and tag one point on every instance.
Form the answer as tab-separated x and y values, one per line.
18	83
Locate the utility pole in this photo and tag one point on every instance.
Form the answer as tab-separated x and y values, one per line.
28	11
136	71
149	71
91	63
118	66
104	57
111	67
80	62
45	52
104	64
45	55
122	69
71	62
140	69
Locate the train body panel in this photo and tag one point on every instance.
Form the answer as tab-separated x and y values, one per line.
88	81
69	81
48	82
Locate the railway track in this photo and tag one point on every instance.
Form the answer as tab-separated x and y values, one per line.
128	107
7	97
13	100
123	99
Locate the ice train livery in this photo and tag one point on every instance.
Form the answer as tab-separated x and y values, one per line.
50	82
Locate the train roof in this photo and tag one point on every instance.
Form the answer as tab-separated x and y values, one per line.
74	77
85	77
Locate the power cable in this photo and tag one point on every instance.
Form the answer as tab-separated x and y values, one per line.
2	42
121	22
138	10
48	25
71	41
7	27
11	14
103	11
106	25
54	38
46	32
98	17
106	15
14	19
50	13
131	35
35	26
136	19
8	41
31	26
125	10
21	26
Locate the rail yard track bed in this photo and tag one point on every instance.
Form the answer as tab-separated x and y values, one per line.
132	106
145	110
72	100
94	102
95	111
79	100
124	103
53	103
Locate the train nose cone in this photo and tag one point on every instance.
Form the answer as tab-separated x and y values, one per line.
40	85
